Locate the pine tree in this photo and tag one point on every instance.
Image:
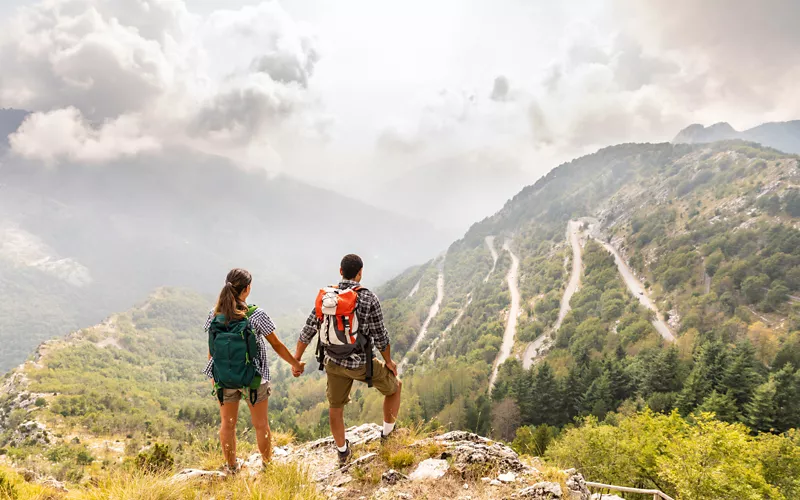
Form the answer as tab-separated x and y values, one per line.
787	398
722	405
742	375
522	391
546	398
572	390
599	399
661	375
761	409
619	382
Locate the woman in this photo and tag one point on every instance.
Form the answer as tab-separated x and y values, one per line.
232	309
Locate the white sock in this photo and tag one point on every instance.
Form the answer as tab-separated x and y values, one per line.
342	449
387	428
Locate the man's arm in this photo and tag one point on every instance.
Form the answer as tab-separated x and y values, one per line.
307	335
380	337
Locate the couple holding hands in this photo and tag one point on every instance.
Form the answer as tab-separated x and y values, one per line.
348	323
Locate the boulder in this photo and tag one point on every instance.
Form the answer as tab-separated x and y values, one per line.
358	435
508	477
54	484
391	476
541	491
431	468
193	474
576	486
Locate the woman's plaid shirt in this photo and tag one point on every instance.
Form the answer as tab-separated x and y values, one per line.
261	323
370	320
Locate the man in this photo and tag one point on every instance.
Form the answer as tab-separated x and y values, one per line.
342	372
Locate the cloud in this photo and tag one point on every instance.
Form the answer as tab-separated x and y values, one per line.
739	51
500	88
148	73
65	134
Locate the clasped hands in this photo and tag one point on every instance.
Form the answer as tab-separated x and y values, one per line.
299	369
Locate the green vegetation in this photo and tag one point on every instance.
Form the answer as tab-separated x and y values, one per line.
699	458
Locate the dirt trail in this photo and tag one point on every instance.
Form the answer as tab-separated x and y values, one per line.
415	289
490	244
431	314
637	289
450	326
513	313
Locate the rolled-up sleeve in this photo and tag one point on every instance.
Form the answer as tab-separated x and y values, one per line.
310	329
380	337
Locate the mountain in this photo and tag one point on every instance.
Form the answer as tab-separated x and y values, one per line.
78	242
783	136
685	294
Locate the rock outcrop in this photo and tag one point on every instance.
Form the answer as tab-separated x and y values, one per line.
458	465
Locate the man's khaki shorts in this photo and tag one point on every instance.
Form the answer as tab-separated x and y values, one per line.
233	395
340	381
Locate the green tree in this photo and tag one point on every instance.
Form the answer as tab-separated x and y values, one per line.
787	398
546	397
791	202
754	288
741	376
722	405
762	409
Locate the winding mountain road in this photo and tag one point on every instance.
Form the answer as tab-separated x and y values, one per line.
573	236
431	314
490	244
513	314
637	289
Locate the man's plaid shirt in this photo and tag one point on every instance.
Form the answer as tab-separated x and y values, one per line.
370	321
261	323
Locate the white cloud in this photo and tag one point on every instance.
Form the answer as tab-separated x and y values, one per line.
65	134
126	76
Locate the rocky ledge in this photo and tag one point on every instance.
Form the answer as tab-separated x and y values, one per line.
458	465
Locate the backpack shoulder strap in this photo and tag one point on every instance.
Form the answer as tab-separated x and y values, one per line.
251	309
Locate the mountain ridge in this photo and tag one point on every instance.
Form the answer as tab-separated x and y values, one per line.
783	136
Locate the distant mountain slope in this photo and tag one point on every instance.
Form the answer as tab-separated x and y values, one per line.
712	232
783	136
79	242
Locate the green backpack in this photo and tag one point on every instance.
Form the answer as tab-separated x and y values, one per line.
233	347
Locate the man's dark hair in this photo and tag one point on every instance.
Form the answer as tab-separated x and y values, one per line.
351	266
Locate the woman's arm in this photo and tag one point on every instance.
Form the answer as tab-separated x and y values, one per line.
284	353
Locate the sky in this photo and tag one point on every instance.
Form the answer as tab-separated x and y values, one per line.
369	90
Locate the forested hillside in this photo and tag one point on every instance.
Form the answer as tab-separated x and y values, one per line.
710	232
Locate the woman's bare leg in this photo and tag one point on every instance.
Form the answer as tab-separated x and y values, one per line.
229	412
259	415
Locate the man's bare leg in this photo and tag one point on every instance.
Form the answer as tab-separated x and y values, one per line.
391	405
337	426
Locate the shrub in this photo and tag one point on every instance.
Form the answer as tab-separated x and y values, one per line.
401	459
158	459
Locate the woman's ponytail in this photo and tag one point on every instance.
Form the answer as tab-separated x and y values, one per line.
229	304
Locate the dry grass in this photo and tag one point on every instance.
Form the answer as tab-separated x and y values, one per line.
278	482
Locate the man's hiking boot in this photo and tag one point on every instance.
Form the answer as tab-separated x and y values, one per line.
344	456
385	437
